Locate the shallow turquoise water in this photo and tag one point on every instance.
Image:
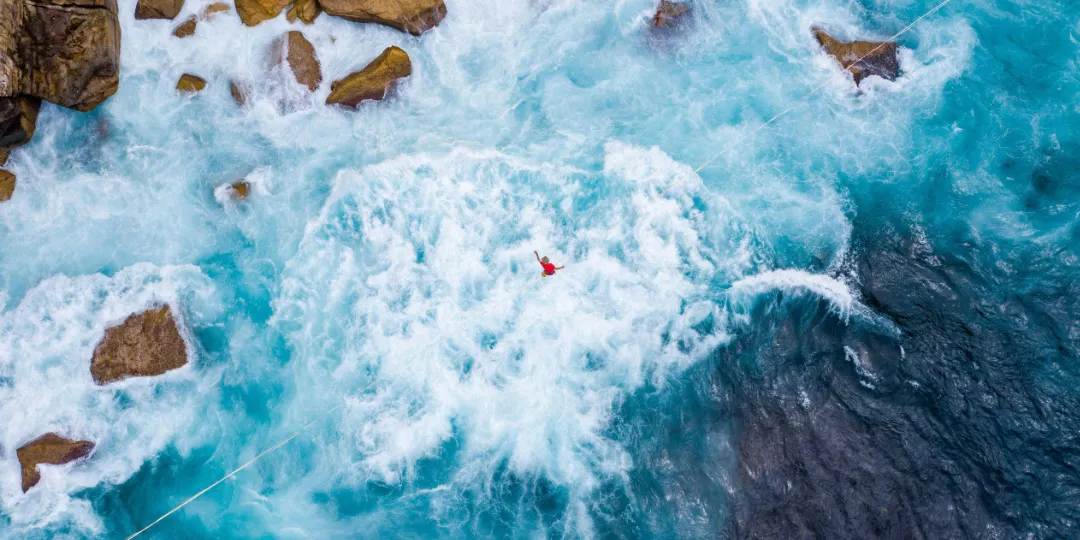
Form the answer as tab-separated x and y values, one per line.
627	396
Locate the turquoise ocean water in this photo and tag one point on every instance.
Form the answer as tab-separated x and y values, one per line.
862	322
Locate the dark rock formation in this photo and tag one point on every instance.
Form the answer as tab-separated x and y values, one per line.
300	54
862	58
7	185
18	119
412	16
157	9
190	84
253	12
144	345
49	449
304	10
373	81
669	13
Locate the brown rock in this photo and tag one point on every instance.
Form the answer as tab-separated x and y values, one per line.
240	190
18	120
63	51
190	84
305	10
156	9
213	9
4	154
49	449
301	57
668	13
144	345
253	12
239	92
412	16
862	58
186	28
373	81
7	185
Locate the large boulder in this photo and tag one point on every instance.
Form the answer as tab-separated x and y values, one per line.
190	84
63	51
49	449
7	185
304	10
18	119
668	14
158	9
373	81
412	16
144	345
300	54
253	12
862	58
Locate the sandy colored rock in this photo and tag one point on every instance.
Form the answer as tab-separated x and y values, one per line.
412	16
157	9
239	91
18	120
300	54
373	81
878	58
668	13
240	190
190	84
304	10
49	449
7	185
253	12
186	28
5	153
213	9
63	51
144	345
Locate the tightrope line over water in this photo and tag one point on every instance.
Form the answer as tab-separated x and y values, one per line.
439	338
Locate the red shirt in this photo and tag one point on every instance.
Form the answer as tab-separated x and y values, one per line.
549	268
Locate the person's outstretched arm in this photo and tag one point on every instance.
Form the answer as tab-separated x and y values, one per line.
559	267
537	256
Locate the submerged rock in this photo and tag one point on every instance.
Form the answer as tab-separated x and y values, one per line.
304	10
300	54
412	16
49	449
877	58
7	185
157	9
4	153
144	345
190	84
253	12
186	28
373	81
669	13
213	9
240	190
18	120
63	51
239	91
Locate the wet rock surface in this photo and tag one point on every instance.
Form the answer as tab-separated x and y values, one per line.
7	185
158	9
306	11
412	16
144	345
190	84
295	49
669	14
372	82
49	449
18	120
862	58
253	12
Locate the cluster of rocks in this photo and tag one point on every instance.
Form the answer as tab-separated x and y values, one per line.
144	345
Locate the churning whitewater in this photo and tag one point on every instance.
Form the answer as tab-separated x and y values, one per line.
860	322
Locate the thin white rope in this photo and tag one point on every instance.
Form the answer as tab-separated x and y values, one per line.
739	141
298	432
816	89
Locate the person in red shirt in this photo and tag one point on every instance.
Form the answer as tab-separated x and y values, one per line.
549	269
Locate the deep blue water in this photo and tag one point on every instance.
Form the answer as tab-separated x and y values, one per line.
860	323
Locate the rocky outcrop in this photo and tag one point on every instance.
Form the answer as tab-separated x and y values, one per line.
862	58
304	10
253	12
7	185
190	84
300	54
213	9
412	16
186	28
373	81
49	449
240	190
156	9
669	13
144	345
18	119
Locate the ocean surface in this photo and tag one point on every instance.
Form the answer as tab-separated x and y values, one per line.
862	322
